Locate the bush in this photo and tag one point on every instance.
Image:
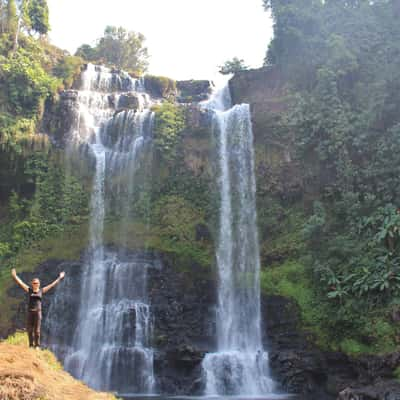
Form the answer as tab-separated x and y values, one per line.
67	69
13	130
175	221
168	124
232	66
26	84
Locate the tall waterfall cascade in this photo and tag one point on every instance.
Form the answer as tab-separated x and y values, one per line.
114	324
240	364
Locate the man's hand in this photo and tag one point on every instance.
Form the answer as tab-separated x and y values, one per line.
62	274
13	273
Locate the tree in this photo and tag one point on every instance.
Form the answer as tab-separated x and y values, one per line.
31	15
12	20
87	52
38	13
123	49
232	66
3	16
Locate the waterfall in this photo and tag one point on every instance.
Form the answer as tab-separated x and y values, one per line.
240	364
110	348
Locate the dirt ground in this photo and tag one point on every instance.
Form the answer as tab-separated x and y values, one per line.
29	374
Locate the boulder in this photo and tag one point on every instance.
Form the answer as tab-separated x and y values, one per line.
128	101
383	390
193	90
60	116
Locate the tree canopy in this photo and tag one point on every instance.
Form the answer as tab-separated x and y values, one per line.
118	48
340	61
38	13
232	66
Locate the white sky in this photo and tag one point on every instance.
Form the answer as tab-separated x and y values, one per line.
186	39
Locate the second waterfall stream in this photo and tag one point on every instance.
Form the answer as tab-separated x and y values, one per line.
240	364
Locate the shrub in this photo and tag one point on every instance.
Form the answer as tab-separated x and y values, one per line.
168	124
67	69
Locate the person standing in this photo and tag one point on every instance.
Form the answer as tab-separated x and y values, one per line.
34	316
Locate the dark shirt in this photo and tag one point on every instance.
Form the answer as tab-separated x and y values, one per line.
35	300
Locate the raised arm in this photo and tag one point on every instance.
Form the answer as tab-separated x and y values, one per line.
56	282
19	281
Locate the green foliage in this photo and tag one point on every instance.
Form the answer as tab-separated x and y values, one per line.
30	73
168	124
333	328
339	60
281	229
353	347
292	280
38	12
26	84
12	19
314	228
19	338
118	48
175	221
396	373
13	130
5	250
59	201
86	52
232	66
161	86
67	69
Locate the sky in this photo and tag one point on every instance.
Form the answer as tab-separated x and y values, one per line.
186	39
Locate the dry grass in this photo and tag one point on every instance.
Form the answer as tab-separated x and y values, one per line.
29	374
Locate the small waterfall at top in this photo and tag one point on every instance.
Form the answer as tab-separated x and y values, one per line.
240	365
110	349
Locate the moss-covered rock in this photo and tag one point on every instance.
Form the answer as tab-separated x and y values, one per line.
193	90
160	86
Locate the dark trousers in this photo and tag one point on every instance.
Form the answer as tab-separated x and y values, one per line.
33	323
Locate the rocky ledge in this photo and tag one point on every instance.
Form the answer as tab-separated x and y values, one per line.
304	369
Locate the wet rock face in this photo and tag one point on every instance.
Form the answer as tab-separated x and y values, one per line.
184	327
60	116
298	366
278	173
193	90
264	90
261	88
304	369
182	308
197	141
128	101
385	390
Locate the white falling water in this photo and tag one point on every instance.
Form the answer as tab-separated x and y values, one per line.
240	365
110	349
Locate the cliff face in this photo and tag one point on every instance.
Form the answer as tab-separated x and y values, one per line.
264	89
179	233
284	199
